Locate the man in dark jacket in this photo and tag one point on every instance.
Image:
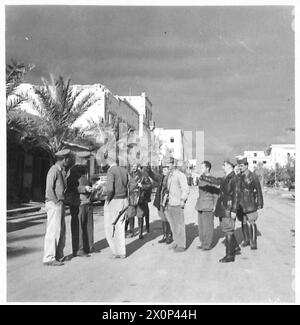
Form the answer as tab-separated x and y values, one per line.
78	197
205	206
138	184
159	201
250	200
226	208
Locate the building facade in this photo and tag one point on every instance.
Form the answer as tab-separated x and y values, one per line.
171	143
144	107
279	154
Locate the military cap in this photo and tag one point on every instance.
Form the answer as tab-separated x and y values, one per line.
83	154
242	160
63	153
229	162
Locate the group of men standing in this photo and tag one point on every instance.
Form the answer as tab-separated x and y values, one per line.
67	184
170	198
236	195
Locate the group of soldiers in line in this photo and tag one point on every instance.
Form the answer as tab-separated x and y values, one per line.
237	195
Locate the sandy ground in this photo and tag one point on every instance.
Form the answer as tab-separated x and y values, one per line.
152	272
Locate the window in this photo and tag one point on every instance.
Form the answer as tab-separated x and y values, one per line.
172	139
264	162
255	154
254	162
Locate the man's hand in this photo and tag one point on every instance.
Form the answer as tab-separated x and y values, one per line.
233	215
259	207
88	189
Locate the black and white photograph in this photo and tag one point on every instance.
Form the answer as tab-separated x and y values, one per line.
150	153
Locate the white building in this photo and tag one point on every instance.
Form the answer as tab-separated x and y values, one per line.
256	158
281	153
144	107
278	154
172	143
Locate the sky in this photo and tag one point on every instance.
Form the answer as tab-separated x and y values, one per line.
227	71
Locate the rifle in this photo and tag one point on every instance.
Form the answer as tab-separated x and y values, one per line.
117	219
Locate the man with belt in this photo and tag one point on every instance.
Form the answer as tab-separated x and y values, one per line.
205	206
250	200
226	208
78	194
178	193
138	185
159	201
56	228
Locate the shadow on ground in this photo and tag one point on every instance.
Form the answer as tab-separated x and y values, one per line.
25	237
17	251
14	226
155	231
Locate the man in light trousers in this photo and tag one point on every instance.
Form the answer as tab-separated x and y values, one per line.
56	228
116	190
178	193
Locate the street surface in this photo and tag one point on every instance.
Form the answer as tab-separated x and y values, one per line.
152	272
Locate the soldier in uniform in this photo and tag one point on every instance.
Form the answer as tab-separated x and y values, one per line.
250	200
78	197
138	185
226	208
56	228
160	203
205	206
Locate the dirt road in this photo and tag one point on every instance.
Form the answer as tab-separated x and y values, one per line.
153	273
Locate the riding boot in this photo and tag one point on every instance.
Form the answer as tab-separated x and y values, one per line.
253	234
131	227
169	234
245	229
164	229
237	248
229	244
141	226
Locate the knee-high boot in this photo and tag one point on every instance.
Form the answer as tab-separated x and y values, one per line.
237	248
245	229
169	234
164	230
229	244
141	226
253	236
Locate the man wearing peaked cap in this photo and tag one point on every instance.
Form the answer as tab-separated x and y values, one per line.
78	194
250	200
63	153
242	160
55	208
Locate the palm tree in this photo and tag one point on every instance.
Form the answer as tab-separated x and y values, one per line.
59	106
17	122
15	72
